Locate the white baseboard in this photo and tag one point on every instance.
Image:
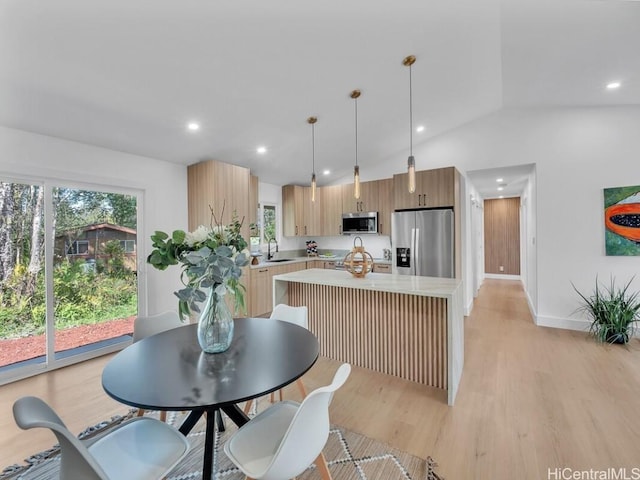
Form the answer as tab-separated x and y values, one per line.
497	276
565	323
468	308
573	324
532	308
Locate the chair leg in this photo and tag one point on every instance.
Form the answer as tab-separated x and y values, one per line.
323	469
163	415
247	406
140	412
303	390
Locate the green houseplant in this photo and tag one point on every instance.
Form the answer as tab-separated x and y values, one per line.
211	259
612	311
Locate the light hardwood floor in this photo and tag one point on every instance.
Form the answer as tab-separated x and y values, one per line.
531	399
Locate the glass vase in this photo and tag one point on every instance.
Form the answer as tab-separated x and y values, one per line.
215	325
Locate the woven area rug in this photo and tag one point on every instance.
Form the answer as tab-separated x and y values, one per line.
350	456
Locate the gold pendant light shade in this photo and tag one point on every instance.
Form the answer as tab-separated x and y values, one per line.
356	182
412	174
313	187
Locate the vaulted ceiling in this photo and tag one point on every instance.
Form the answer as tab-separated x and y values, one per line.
129	75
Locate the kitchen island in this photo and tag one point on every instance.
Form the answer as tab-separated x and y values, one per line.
402	325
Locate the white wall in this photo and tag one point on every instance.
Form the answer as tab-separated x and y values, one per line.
577	152
163	186
473	245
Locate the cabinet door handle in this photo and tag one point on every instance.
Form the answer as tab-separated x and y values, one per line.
340	229
296	229
305	229
419	199
424	199
264	270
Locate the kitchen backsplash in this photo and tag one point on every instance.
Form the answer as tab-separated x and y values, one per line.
374	244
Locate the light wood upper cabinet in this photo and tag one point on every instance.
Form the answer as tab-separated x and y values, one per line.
434	188
216	184
253	199
331	211
312	218
300	216
292	198
368	201
385	205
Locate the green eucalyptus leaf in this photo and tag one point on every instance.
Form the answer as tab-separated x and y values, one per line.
178	236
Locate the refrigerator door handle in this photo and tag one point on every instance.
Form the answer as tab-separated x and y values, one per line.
412	246
416	251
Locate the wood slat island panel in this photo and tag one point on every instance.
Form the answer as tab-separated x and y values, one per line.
409	327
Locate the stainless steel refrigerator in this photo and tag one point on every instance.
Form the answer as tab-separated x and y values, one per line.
422	243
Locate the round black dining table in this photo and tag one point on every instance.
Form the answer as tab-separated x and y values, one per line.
169	371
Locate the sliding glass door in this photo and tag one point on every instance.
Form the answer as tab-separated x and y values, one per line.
22	275
68	267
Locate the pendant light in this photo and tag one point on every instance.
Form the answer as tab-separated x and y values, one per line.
356	169
312	121
411	162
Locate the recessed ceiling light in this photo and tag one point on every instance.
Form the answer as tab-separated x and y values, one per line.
500	189
326	172
420	128
261	150
499	180
613	85
193	126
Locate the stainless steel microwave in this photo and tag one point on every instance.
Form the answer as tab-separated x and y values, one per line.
359	223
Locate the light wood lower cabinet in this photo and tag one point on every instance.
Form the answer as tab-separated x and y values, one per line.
260	288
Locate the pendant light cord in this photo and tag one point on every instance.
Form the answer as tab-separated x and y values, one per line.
313	147
410	114
356	104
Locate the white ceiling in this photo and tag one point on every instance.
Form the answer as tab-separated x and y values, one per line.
129	74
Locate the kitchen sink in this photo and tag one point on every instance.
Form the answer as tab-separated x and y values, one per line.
278	260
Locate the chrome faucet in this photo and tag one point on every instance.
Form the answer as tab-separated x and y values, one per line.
269	256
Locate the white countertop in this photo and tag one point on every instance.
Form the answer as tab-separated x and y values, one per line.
382	282
266	264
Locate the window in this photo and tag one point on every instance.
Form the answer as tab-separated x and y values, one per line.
79	247
268	224
128	246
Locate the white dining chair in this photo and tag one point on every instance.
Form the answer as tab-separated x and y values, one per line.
286	438
298	316
142	448
146	326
